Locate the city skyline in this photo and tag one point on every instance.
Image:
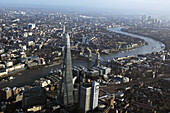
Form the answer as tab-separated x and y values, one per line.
74	59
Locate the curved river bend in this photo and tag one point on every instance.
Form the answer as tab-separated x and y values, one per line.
153	46
29	76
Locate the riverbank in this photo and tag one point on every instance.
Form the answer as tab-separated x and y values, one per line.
27	77
148	48
13	73
165	42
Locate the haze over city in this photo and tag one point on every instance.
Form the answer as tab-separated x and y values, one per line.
156	7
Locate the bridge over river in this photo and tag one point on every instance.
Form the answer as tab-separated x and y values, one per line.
29	76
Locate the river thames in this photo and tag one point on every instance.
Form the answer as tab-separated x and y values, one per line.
27	77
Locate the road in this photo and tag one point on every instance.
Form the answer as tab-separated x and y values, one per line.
113	87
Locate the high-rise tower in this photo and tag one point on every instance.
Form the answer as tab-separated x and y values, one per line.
64	29
66	91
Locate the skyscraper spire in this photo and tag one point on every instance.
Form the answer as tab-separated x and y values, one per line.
66	91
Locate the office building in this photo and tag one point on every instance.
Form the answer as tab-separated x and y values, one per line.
89	96
66	84
95	94
85	98
34	96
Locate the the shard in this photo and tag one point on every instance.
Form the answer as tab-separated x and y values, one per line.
66	88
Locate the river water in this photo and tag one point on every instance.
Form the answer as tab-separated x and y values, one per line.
153	46
27	77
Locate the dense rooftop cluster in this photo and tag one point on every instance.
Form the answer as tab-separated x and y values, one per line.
33	38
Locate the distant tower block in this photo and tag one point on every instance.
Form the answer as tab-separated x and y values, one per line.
89	54
64	29
66	85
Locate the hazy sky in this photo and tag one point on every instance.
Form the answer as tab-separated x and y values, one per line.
145	5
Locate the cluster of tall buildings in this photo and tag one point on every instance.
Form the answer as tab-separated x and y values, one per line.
87	94
150	20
